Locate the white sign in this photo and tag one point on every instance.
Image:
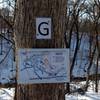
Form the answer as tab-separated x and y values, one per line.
43	28
43	66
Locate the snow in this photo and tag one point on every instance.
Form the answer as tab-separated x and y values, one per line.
82	60
7	94
89	95
7	64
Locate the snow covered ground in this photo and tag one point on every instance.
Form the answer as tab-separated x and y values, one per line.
7	94
83	57
89	95
7	64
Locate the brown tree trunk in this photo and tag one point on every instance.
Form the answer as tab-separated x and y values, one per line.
25	31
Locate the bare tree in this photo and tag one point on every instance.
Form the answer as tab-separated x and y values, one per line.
93	11
75	13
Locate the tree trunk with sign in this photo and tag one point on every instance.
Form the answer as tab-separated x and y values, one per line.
25	37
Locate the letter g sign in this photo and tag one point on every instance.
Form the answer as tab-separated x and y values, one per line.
43	28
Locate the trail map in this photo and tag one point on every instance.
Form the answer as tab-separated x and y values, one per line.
43	65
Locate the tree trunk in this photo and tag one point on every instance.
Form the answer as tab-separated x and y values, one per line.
96	76
25	32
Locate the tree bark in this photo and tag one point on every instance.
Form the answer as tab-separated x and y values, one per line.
25	32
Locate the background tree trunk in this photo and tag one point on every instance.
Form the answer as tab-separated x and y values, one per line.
25	32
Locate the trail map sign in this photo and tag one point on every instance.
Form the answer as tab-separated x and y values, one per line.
43	66
43	28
